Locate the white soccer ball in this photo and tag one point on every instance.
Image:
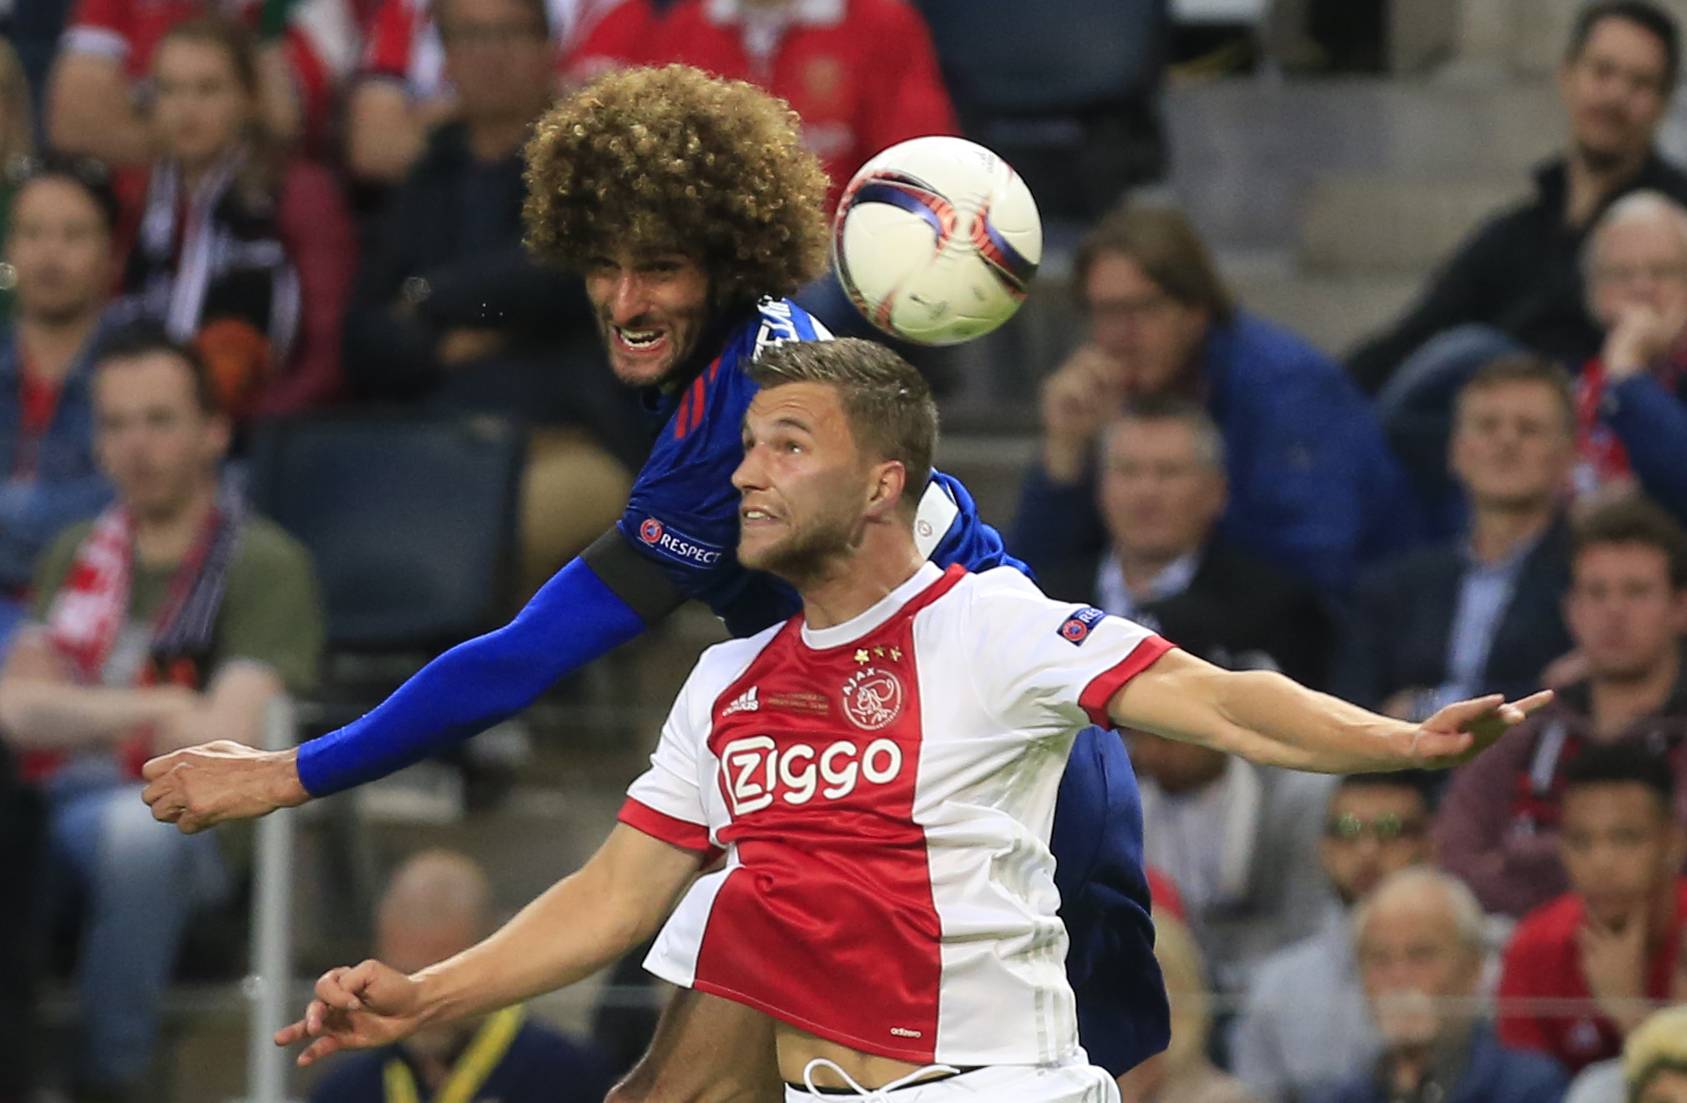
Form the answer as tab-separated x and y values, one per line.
936	240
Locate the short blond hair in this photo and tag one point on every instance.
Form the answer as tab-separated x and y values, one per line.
1657	1045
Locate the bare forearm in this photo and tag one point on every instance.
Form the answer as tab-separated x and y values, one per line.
50	715
1282	723
567	934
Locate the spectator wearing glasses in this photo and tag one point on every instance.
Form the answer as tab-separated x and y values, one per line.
60	255
1304	1027
1627	610
1313	489
1631	399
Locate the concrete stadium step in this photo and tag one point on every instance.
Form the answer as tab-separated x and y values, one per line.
1377	224
1246	153
1334	312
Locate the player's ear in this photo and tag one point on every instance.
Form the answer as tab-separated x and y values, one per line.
890	480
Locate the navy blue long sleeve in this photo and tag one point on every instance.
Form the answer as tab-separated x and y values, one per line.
1652	424
573	619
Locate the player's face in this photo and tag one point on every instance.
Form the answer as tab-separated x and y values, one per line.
1151	335
1622	611
1158	498
1512	447
1614	92
1372	831
651	309
60	250
201	106
1641	263
1410	956
1619	849
154	442
802	484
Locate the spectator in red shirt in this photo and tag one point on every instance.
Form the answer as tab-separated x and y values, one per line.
403	91
244	251
1626	611
1613	939
96	94
862	74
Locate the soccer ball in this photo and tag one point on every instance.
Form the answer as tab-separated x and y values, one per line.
936	239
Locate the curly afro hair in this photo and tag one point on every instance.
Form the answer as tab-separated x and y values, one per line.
673	158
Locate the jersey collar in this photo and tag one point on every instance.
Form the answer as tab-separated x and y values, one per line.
875	615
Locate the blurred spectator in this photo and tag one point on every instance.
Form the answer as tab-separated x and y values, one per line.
98	98
1161	491
1312	487
17	142
1182	1073
1627	610
1612	942
238	247
437	905
61	254
1653	1067
171	619
1517	276
402	91
1304	1026
1631	400
861	74
1071	98
452	314
1419	943
1240	842
1480	614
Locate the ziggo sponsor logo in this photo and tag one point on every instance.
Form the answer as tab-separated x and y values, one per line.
757	771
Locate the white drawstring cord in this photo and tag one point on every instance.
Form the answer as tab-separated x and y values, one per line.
879	1094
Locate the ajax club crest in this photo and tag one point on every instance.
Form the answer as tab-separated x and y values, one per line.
872	698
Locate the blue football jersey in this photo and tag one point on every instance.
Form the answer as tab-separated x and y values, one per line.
683	515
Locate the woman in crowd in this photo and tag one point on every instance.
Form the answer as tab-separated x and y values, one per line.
234	246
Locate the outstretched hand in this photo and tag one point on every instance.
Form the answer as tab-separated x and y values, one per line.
1464	729
356	1007
202	786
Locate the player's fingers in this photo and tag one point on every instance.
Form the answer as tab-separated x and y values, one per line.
317	1050
1534	701
332	990
1434	745
154	768
292	1032
1461	714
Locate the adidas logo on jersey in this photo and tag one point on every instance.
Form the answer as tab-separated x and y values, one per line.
744	702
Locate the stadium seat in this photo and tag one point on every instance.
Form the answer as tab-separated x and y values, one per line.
411	522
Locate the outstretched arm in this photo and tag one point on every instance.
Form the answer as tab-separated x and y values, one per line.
591	606
582	923
1270	719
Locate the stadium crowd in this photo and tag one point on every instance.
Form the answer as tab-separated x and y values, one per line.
226	217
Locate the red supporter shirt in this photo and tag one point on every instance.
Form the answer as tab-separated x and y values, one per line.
39	401
1543	962
320	44
862	74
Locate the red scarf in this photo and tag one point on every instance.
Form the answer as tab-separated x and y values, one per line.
92	604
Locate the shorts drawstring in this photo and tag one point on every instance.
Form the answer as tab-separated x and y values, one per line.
881	1095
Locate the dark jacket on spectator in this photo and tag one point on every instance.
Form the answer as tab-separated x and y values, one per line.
1497	827
59	484
448	255
538	1066
266	299
1234	610
1519	272
1489	1073
1313	487
1401	624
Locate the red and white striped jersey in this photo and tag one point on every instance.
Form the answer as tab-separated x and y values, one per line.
884	790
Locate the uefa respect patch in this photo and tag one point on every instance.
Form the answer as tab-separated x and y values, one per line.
1075	629
668	541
